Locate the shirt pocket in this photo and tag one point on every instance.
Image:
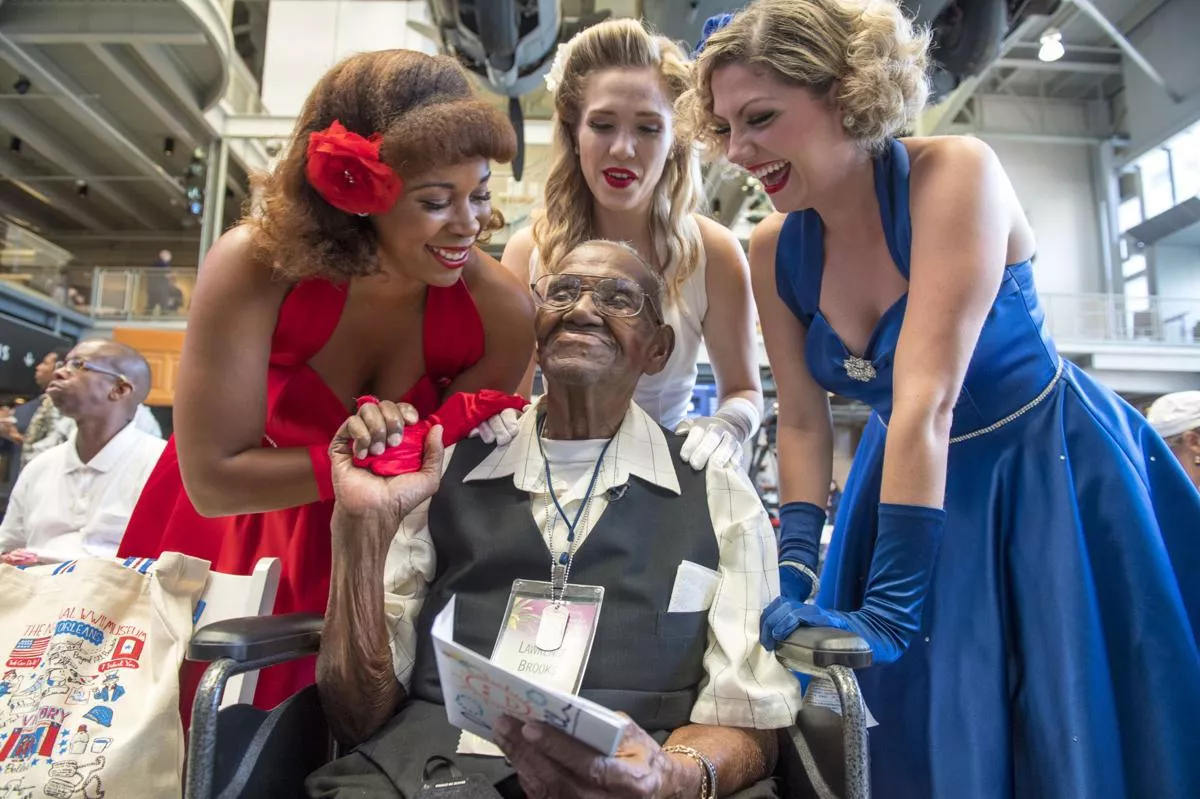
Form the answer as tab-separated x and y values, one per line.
683	624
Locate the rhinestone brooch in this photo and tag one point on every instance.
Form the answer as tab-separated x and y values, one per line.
859	369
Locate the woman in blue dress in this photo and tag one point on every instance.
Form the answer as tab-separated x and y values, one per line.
1017	545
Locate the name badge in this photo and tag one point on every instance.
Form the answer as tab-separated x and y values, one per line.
548	640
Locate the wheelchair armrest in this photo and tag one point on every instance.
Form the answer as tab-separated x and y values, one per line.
257	637
823	647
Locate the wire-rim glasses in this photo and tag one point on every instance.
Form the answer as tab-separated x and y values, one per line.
612	296
79	364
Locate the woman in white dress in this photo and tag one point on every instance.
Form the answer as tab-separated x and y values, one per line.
620	172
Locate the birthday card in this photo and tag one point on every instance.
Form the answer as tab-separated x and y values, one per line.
478	692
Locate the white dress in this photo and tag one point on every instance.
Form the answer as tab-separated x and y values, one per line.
666	395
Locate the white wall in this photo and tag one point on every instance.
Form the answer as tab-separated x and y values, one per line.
306	37
1054	185
1177	270
1167	39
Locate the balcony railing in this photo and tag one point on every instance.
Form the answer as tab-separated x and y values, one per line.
109	292
1112	318
152	293
140	293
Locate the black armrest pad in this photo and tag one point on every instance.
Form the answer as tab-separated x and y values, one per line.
823	647
256	637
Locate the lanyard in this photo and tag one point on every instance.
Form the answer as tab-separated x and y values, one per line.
560	565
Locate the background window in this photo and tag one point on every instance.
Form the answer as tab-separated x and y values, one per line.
1185	164
1157	193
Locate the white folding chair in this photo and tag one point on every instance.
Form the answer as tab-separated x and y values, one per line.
236	596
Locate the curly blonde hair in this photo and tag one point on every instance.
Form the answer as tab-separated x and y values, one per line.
566	220
865	53
429	117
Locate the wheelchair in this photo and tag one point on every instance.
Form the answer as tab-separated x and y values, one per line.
239	752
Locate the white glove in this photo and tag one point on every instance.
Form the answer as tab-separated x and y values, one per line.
501	428
709	440
718	439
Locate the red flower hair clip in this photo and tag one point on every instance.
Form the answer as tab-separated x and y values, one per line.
346	171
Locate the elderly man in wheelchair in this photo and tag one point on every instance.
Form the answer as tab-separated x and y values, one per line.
590	494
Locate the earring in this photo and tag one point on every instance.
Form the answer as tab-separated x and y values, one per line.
848	121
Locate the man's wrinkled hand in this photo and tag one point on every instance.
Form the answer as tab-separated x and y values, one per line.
551	764
359	491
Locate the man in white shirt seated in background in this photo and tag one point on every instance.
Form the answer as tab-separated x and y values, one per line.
64	426
687	560
74	500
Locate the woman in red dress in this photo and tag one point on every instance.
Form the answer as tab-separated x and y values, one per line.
359	274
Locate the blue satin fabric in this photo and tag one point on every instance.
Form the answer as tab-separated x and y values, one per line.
1058	653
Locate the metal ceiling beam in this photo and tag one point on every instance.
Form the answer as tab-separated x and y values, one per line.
1139	14
165	66
36	22
123	66
17	215
1089	49
68	205
1033	138
938	119
1126	46
38	136
1058	66
152	37
49	76
127	236
88	178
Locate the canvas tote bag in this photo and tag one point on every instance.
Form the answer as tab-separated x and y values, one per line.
89	681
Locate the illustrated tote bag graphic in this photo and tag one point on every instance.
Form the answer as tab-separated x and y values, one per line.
89	676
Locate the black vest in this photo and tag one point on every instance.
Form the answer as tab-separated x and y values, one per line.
645	661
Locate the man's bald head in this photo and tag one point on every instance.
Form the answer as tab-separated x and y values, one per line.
100	378
127	361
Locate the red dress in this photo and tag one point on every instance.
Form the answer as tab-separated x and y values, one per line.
301	412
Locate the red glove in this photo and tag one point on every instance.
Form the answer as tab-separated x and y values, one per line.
458	416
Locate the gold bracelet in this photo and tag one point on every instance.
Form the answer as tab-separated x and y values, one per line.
709	789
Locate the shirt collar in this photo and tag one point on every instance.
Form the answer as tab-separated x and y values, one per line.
109	456
638	449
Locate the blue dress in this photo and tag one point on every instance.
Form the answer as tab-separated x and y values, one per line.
1058	653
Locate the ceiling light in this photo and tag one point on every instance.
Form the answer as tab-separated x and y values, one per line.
22	85
14	145
81	188
1052	47
168	147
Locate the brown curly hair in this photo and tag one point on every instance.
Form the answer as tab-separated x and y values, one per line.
429	117
868	48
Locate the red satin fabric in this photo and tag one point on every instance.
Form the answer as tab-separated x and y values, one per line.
301	412
458	416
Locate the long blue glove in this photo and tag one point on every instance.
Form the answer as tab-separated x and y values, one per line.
800	525
905	551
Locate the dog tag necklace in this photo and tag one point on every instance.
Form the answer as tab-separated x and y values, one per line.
552	626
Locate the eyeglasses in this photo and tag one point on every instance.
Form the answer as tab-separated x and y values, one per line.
612	296
79	364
